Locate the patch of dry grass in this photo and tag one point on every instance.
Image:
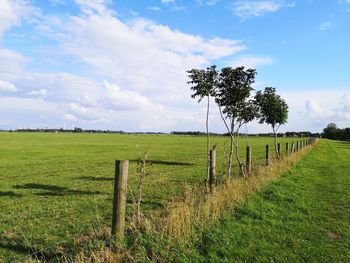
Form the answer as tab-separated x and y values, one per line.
199	209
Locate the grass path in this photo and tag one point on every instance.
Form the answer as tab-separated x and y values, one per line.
303	217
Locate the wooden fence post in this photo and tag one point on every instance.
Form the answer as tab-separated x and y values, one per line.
267	155
287	148
212	171
279	150
119	199
293	148
249	159
297	146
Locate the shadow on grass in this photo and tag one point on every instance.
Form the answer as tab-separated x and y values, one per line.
41	187
165	162
96	179
9	194
53	190
17	245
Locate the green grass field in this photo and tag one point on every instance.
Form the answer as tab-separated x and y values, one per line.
56	188
302	217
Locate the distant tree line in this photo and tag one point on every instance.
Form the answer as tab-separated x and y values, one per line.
61	130
335	133
192	133
269	134
79	130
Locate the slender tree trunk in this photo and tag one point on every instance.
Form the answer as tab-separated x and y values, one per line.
275	142
229	161
231	148
208	143
229	166
240	164
246	134
223	119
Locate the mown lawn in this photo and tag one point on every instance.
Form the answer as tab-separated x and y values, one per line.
56	188
302	217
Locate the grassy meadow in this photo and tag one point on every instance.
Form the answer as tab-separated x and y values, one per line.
57	188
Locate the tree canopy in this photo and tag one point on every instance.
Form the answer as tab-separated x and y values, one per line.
273	110
203	82
233	92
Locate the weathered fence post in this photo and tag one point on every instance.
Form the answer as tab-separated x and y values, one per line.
279	150
267	155
212	171
297	146
249	159
119	199
287	149
293	148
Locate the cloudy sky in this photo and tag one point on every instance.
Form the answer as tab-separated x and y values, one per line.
121	64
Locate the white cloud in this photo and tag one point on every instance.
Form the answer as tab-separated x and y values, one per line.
291	5
57	2
142	56
339	112
69	117
39	93
7	86
128	100
251	61
167	1
325	26
27	105
12	12
313	110
11	63
207	2
249	9
154	8
91	7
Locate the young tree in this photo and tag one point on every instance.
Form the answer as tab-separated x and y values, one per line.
232	97
203	83
273	110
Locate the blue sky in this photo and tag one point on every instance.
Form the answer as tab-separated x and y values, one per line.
121	64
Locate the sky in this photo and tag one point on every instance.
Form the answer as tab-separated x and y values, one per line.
121	64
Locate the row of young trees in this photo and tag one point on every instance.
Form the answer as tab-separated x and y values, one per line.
232	90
